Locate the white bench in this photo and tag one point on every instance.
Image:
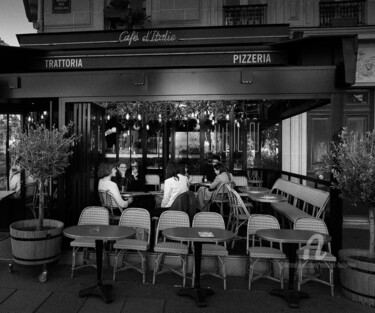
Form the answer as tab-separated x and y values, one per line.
302	201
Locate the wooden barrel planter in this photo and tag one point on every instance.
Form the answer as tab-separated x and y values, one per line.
357	277
31	247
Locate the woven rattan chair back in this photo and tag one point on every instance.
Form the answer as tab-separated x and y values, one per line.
94	215
169	219
314	224
196	179
236	203
258	222
153	179
137	218
208	219
240	181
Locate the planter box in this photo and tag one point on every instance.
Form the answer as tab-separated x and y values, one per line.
357	278
31	247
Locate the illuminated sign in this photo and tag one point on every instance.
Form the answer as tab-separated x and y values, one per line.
252	58
63	63
151	36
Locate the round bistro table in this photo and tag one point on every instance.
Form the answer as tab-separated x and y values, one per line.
99	233
198	235
291	238
254	190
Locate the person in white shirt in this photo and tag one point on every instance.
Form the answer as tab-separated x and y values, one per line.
106	184
175	183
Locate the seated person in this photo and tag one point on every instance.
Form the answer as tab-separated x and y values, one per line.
136	180
15	179
106	184
204	194
120	178
175	183
208	170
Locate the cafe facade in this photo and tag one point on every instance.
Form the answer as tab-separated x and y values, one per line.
174	94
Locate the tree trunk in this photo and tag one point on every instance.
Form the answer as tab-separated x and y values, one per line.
41	204
372	230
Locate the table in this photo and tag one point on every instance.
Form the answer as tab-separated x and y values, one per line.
291	238
99	233
6	193
192	234
253	190
267	198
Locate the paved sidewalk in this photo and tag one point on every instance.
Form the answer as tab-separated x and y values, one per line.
20	292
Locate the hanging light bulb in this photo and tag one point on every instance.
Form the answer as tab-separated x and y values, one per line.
127	116
227	117
44	112
108	117
139	117
213	122
29	119
42	116
147	127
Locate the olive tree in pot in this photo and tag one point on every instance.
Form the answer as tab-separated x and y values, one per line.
351	161
43	153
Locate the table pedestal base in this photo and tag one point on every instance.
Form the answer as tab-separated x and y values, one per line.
292	296
102	291
198	295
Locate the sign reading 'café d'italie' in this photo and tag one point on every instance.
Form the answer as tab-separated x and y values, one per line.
152	58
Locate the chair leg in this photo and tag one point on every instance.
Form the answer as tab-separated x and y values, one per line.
156	266
144	266
73	262
251	272
116	264
299	271
222	261
183	258
281	272
193	276
235	233
331	279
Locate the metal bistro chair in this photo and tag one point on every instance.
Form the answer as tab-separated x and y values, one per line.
220	195
312	253
153	179
195	180
31	197
220	252
169	219
92	215
257	222
139	219
110	203
238	214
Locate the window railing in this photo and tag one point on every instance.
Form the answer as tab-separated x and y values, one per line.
342	13
245	14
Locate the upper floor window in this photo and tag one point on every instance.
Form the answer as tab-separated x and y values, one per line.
342	13
245	14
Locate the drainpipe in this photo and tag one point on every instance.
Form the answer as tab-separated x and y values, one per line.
40	20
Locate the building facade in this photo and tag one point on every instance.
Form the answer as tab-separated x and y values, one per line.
158	80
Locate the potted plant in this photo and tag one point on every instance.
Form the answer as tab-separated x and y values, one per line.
43	153
352	164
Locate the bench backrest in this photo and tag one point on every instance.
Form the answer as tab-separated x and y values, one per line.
308	199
